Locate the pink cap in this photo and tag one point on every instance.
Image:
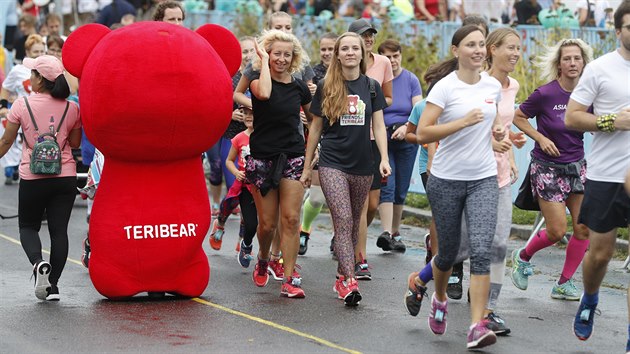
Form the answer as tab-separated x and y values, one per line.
47	66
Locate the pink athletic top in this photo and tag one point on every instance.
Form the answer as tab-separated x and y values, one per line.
44	107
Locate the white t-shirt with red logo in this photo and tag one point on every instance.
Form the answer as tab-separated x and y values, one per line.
466	155
18	81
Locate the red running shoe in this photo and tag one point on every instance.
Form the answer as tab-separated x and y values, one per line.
348	291
292	287
260	276
276	269
216	236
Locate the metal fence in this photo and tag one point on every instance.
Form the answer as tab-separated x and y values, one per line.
309	28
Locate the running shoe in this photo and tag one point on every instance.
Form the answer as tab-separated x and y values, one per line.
362	271
41	271
215	210
276	269
292	287
454	288
216	236
496	324
260	275
566	291
348	291
427	246
384	241
437	316
85	257
245	255
414	296
583	324
521	270
480	336
397	244
52	293
304	237
238	244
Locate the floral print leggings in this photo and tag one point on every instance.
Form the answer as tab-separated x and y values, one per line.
345	195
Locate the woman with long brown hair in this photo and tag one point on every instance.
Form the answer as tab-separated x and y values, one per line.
343	108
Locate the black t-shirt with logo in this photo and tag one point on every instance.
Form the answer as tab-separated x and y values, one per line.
276	121
346	144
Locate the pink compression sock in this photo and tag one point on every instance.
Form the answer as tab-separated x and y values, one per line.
575	253
537	243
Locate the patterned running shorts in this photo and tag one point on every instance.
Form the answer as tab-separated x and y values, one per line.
554	184
258	170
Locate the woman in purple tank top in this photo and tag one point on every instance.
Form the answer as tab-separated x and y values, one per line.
558	168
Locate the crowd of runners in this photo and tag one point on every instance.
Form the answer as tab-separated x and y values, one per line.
346	132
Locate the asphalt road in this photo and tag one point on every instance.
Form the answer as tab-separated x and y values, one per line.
233	315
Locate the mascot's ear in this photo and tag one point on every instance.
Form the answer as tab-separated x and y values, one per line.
79	45
224	43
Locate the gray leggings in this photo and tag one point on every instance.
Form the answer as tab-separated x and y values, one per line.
448	199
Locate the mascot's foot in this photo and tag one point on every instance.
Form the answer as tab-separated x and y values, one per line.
156	295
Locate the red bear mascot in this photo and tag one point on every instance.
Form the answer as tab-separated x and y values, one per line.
154	96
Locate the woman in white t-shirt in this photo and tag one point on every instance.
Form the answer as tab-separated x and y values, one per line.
54	193
461	113
17	84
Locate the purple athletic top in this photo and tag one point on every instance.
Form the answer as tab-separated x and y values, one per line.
547	104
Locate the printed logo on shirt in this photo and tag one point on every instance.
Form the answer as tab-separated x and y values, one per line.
356	112
244	153
560	107
490	100
27	86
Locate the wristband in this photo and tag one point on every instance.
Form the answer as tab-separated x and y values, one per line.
4	103
606	122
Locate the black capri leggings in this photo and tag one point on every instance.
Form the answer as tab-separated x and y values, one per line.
56	196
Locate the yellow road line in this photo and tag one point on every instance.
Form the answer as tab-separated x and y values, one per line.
238	313
276	326
11	239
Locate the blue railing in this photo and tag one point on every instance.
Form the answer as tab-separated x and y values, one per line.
309	28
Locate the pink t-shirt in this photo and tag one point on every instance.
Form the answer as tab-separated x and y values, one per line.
381	69
44	107
506	114
241	144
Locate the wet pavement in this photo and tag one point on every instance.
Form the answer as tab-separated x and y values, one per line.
234	315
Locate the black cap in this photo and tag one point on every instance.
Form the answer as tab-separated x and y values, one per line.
361	26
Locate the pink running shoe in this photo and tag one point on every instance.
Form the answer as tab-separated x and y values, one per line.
437	317
480	336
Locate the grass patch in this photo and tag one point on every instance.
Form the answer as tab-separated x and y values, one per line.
417	200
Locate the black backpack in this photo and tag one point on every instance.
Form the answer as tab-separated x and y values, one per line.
46	154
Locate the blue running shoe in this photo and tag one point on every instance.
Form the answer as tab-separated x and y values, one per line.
245	255
583	325
521	270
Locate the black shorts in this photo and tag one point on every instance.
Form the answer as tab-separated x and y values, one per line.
377	180
605	206
425	180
